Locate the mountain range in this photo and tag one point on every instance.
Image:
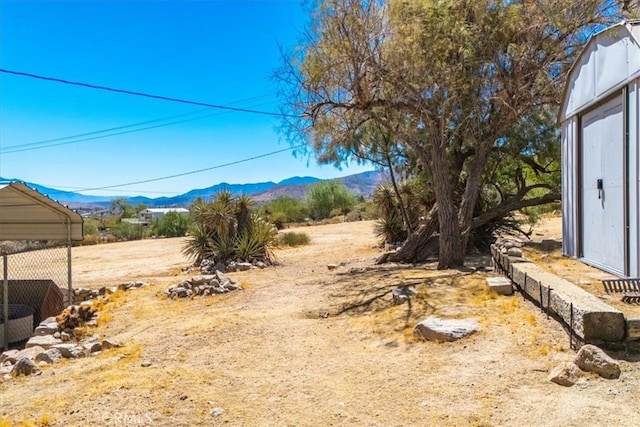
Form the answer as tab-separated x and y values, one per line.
362	184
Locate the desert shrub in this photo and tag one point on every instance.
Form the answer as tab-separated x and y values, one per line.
286	209
91	226
325	196
90	239
292	238
227	229
127	231
172	224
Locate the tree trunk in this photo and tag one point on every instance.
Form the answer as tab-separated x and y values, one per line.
421	245
450	252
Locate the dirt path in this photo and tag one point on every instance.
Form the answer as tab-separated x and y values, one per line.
288	350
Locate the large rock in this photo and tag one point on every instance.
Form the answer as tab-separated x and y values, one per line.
500	285
25	366
44	341
592	359
46	328
436	329
565	374
9	355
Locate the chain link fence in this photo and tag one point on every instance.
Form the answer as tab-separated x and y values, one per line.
34	285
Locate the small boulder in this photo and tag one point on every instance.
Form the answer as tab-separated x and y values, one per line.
514	252
25	366
70	351
332	266
436	329
592	359
565	374
50	356
243	266
107	344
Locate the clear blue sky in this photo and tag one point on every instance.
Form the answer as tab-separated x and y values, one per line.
217	52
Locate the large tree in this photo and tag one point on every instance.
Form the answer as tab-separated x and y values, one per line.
469	87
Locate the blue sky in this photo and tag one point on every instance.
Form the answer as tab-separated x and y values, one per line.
217	52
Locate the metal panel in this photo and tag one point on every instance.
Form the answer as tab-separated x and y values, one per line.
632	196
26	214
602	206
569	199
611	61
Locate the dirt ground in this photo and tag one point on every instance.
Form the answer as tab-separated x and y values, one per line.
303	345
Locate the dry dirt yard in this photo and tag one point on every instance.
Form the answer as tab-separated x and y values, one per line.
300	346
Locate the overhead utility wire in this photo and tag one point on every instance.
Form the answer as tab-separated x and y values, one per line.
162	119
146	95
192	172
9	150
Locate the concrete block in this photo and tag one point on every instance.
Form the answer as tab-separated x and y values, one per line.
500	285
593	320
633	329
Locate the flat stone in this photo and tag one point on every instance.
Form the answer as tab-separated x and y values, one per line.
500	285
44	341
565	374
436	329
244	266
332	266
592	359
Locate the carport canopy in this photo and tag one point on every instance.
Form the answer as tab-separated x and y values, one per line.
26	214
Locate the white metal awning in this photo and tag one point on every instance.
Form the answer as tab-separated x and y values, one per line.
26	214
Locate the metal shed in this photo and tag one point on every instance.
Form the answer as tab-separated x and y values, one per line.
600	152
28	216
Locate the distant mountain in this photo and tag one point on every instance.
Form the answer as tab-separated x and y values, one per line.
362	184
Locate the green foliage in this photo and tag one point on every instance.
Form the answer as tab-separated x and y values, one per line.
172	224
226	229
325	196
126	231
91	226
286	209
292	238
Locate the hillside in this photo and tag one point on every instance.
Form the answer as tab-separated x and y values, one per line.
362	184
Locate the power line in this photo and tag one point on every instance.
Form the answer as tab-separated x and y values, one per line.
16	149
38	144
146	95
192	172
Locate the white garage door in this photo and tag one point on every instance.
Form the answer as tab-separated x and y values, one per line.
602	189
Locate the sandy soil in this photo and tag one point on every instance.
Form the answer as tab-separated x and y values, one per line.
305	346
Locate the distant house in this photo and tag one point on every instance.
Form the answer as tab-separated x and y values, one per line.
150	215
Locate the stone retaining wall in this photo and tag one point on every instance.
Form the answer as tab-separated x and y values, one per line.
589	319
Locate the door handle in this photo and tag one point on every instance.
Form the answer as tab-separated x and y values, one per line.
600	186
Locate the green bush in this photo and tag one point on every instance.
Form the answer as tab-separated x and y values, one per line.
325	196
126	231
292	238
286	209
172	224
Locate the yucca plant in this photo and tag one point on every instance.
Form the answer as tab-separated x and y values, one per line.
225	229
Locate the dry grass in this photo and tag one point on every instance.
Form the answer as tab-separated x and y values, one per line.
305	346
